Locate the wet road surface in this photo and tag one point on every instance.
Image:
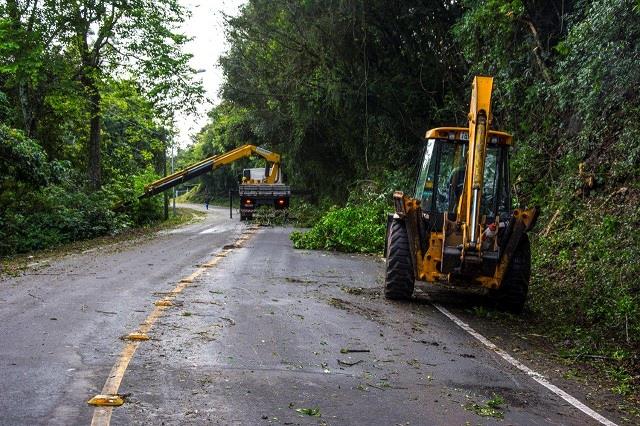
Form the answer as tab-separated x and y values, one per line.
266	336
60	323
271	330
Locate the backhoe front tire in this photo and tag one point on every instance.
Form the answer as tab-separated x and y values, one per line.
399	277
512	295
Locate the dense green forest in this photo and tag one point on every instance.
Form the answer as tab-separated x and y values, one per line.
344	90
88	92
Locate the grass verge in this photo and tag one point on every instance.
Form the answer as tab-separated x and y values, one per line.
531	339
15	265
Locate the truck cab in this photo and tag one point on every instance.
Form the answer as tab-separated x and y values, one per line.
258	175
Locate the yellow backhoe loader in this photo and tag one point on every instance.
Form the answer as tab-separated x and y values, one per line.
257	187
459	229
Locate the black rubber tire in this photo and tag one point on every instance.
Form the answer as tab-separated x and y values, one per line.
512	295
399	279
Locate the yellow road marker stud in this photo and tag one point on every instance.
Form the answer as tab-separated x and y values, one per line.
216	258
136	336
111	400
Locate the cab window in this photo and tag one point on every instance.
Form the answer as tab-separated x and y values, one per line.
450	175
441	180
424	186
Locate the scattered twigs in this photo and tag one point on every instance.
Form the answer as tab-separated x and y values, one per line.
374	386
547	229
349	364
350	351
622	190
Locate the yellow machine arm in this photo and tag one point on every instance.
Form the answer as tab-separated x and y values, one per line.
212	163
479	124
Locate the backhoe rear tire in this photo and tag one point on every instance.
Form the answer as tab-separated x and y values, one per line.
512	295
399	277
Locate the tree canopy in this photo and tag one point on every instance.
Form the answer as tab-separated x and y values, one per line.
88	92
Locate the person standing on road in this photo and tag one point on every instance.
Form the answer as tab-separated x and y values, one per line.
207	198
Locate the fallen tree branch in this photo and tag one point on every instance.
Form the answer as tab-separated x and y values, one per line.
547	229
622	190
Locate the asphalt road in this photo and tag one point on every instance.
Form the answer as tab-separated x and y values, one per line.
60	323
267	335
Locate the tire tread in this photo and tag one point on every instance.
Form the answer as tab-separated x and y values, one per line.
512	295
399	277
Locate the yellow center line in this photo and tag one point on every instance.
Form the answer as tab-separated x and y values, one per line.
102	415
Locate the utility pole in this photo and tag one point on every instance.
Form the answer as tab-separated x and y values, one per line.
165	196
174	188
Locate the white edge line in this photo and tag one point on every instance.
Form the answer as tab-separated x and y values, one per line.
208	231
529	372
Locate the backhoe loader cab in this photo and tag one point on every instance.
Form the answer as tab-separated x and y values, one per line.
459	228
441	179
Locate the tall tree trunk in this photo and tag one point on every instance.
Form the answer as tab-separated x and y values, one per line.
164	173
23	88
94	165
26	106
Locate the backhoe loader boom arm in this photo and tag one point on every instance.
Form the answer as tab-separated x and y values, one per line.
480	118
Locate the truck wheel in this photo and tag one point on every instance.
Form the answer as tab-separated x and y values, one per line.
512	295
399	279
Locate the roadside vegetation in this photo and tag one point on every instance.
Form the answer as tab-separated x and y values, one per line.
357	227
77	139
353	228
16	264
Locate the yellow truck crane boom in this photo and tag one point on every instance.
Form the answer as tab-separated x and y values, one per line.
459	229
213	163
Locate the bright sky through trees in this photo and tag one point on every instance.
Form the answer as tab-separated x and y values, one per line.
206	27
